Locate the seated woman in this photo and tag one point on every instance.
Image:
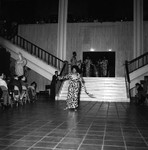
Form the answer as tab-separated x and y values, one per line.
140	95
32	91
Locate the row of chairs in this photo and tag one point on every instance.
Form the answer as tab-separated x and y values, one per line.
15	97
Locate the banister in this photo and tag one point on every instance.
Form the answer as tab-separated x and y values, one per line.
138	62
38	52
137	58
63	72
134	65
38	47
127	71
127	79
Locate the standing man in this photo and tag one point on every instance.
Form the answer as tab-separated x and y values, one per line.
53	85
73	59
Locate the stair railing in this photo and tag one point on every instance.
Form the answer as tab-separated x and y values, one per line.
127	80
138	62
63	72
38	52
133	65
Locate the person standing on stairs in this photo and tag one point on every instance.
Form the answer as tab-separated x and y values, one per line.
88	64
19	66
75	84
104	65
53	85
73	60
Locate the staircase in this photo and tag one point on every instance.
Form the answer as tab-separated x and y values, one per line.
103	89
38	59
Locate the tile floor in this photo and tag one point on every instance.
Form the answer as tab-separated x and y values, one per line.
44	125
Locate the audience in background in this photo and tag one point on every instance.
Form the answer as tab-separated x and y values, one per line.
88	64
104	64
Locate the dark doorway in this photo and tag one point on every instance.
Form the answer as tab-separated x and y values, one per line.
99	56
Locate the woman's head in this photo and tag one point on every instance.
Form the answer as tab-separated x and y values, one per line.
74	54
34	84
74	69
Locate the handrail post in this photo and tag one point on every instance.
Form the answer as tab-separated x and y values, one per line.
127	78
127	71
63	72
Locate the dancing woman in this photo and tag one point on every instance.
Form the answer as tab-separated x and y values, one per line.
75	84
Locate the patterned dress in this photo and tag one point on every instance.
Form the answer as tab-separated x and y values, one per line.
75	83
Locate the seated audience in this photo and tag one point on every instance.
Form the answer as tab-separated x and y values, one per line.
15	82
24	94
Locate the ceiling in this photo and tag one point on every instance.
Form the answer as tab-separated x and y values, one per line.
78	10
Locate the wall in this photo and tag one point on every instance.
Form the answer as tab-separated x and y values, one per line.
117	36
42	35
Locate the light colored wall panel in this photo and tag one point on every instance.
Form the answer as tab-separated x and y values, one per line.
117	36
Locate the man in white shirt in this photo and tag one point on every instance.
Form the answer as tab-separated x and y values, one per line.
2	81
4	87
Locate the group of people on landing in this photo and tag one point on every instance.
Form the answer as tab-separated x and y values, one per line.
89	69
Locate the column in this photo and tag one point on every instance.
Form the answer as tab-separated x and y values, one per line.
62	29
138	28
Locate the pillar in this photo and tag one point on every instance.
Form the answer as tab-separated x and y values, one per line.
138	28
62	29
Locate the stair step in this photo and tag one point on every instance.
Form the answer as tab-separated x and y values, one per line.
102	99
103	89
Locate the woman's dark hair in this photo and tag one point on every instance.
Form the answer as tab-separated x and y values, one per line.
34	84
75	67
138	84
74	53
